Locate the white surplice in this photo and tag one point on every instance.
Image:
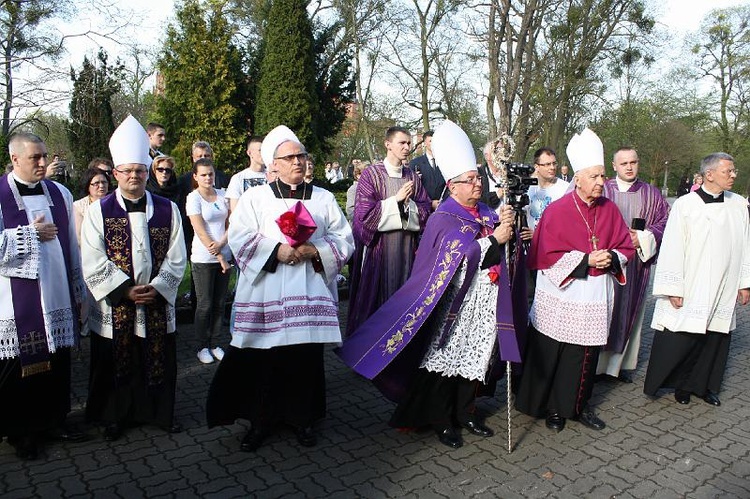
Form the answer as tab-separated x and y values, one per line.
103	276
704	259
294	304
23	255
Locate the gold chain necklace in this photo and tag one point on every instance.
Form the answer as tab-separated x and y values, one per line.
593	238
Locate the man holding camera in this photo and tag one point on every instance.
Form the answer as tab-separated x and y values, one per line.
550	188
645	211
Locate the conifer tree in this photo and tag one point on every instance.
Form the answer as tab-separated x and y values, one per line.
91	123
204	87
286	93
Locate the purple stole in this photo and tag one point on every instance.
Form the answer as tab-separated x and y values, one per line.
449	236
119	251
27	299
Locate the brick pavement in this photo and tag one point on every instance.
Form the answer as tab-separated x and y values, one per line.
650	448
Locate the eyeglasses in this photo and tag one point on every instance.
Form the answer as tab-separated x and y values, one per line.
98	183
729	171
551	163
130	171
164	170
473	180
290	157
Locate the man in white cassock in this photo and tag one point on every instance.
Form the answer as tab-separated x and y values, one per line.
286	306
134	257
41	290
703	271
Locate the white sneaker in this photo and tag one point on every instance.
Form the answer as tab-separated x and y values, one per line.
205	356
218	353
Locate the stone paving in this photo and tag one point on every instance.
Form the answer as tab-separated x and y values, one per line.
650	448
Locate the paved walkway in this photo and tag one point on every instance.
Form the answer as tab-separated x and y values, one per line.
650	448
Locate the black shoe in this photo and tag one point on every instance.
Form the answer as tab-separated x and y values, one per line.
253	440
449	437
174	428
26	448
555	422
65	433
306	436
682	396
626	376
477	428
589	419
711	398
112	432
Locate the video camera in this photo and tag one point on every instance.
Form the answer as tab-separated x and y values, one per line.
517	183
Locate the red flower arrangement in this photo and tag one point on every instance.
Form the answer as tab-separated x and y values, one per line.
288	224
494	274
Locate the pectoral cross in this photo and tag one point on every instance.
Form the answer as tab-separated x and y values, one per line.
142	252
594	240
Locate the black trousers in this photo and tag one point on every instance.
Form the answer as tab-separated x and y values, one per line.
284	384
436	400
130	400
686	361
35	403
557	377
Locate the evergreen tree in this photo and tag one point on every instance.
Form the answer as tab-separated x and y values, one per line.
91	123
286	91
334	86
205	90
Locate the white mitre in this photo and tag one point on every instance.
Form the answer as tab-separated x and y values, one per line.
453	151
129	144
584	150
273	140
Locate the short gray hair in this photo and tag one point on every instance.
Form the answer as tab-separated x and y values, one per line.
711	162
201	144
22	138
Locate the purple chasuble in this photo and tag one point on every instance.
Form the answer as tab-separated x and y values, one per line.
117	239
382	348
645	201
26	295
382	261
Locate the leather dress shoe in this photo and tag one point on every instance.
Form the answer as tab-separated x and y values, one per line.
174	428
112	432
306	436
253	440
589	419
555	422
66	433
712	398
477	428
449	437
682	396
626	376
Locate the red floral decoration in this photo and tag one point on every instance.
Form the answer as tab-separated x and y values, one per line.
288	224
493	275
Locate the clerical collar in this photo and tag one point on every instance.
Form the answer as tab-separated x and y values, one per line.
27	188
709	197
283	190
393	171
138	205
623	185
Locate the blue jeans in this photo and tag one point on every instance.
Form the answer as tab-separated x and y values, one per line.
210	292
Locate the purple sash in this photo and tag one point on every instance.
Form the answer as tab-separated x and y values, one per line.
26	296
119	250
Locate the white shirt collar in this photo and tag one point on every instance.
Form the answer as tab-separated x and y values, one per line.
27	184
622	185
393	171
